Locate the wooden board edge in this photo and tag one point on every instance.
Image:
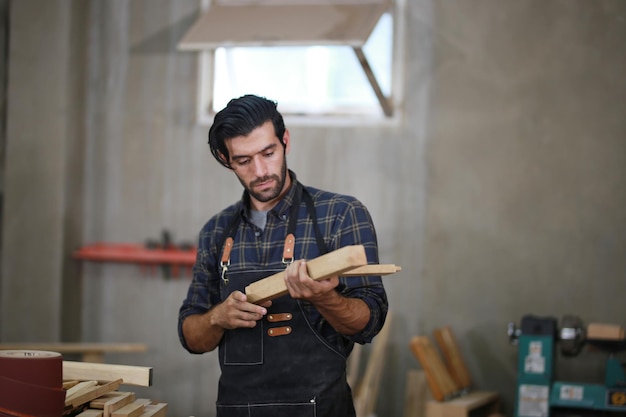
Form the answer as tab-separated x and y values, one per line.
372	269
131	375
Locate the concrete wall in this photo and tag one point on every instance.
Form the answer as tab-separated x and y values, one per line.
501	194
526	175
43	171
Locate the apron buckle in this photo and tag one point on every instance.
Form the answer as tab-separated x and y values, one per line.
224	269
225	262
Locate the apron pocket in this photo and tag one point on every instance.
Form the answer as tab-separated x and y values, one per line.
244	346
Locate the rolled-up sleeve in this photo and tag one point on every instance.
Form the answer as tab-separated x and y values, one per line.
357	227
201	295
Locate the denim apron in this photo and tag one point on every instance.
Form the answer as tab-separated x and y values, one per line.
282	367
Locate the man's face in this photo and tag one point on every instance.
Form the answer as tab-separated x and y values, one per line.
259	163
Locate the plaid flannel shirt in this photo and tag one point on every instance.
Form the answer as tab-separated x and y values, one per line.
342	220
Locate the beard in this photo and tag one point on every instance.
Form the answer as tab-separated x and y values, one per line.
272	193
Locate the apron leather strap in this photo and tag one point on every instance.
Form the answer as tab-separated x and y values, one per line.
321	245
290	240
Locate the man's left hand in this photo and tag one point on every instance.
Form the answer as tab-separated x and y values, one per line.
302	286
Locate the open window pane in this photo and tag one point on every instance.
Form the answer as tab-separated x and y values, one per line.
307	80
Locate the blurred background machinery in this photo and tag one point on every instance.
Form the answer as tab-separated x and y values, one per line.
540	394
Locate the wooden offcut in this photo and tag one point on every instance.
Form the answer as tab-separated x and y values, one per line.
116	402
99	402
78	389
452	355
90	412
155	410
439	380
131	375
92	393
134	409
366	393
353	365
416	393
91	390
373	269
69	384
603	331
328	265
452	397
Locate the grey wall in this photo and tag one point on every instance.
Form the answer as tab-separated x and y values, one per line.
526	175
43	170
501	194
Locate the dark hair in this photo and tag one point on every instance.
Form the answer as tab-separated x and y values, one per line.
239	118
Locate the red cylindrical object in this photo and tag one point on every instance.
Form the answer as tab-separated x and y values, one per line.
31	382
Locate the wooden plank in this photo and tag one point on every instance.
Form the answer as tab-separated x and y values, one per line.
118	402
439	380
100	401
131	375
94	393
78	389
366	394
453	359
373	269
353	365
322	267
69	384
416	393
155	410
90	412
602	331
134	409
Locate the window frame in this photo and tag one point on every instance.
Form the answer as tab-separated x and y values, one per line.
389	116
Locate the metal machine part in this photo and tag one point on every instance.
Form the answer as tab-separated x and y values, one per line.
572	335
513	332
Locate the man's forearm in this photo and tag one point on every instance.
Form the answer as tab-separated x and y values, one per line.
348	316
201	334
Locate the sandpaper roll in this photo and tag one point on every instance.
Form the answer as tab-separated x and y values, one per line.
31	383
8	413
37	367
34	400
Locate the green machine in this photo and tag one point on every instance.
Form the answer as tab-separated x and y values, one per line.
540	395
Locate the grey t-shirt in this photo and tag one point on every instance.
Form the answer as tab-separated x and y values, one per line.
259	218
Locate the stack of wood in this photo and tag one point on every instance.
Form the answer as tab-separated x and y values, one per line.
92	391
449	379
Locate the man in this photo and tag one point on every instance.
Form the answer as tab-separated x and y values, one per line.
286	357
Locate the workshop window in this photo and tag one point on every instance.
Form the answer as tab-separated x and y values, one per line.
350	79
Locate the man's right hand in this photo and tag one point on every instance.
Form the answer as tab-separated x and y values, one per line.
203	332
236	312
